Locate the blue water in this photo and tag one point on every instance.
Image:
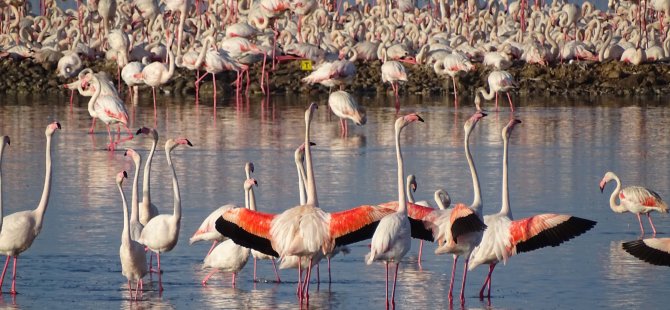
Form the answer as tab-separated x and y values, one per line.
557	157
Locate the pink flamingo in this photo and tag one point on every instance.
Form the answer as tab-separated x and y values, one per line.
161	233
392	238
345	106
157	73
108	108
392	71
453	65
20	229
652	250
634	199
132	255
499	81
505	237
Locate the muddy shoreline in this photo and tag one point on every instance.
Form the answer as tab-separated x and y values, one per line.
577	78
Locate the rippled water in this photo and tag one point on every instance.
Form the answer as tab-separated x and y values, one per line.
557	158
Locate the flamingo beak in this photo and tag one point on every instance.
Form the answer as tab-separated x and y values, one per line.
602	185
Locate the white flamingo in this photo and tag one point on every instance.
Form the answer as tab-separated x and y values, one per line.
345	106
499	81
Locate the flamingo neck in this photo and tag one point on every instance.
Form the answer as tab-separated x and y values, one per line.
616	208
125	235
301	181
204	49
410	195
438	199
505	209
44	201
311	186
402	203
135	206
146	183
252	199
96	94
175	186
487	95
477	199
2	151
171	66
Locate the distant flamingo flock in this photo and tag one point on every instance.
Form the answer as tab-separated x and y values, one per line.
148	41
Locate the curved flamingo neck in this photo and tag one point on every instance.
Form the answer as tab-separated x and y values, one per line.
44	200
146	183
505	209
616	208
402	203
175	185
96	94
301	179
125	235
312	199
135	205
477	199
408	189
487	95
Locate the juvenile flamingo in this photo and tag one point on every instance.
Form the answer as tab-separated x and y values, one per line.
634	199
20	229
345	106
132	254
392	238
652	250
505	237
161	233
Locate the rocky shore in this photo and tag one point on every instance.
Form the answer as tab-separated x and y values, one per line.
577	78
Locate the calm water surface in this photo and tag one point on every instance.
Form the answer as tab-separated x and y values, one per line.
557	157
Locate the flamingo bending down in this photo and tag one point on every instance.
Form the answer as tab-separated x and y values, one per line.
392	238
453	65
304	231
505	237
132	255
499	81
161	233
20	229
652	250
345	106
634	199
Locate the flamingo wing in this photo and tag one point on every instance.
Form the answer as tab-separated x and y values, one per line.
207	230
644	196
357	224
417	214
248	228
543	230
655	251
464	220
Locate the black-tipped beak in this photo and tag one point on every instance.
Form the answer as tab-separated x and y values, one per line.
518	121
125	153
602	188
188	142
125	174
8	141
420	119
312	143
484	114
58	125
255	182
139	131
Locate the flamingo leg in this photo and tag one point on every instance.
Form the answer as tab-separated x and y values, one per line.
274	265
329	278
4	270
420	252
209	275
298	291
254	269
453	80
71	99
307	280
130	289
652	223
153	92
487	282
496	101
640	221
13	290
318	274
90	130
511	106
234	279
395	279
214	82
387	285
465	276
160	279
110	146
453	274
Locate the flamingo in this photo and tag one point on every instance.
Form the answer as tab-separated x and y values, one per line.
128	75
392	237
250	203
305	231
157	73
132	255
411	187
108	108
345	106
5	141
20	229
505	237
392	71
651	250
161	233
634	199
147	209
499	81
453	65
134	222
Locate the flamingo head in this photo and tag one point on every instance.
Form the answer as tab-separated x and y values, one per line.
411	180
134	155
310	111
120	176
403	121
507	130
300	152
609	176
249	166
249	183
5	140
51	128
144	130
472	121
170	144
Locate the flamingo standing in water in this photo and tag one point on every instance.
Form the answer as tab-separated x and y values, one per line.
161	233
305	231
634	199
651	250
505	237
108	108
392	71
345	106
132	255
157	73
392	238
20	229
453	65
499	81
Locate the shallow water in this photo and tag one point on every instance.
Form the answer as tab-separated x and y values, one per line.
557	157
